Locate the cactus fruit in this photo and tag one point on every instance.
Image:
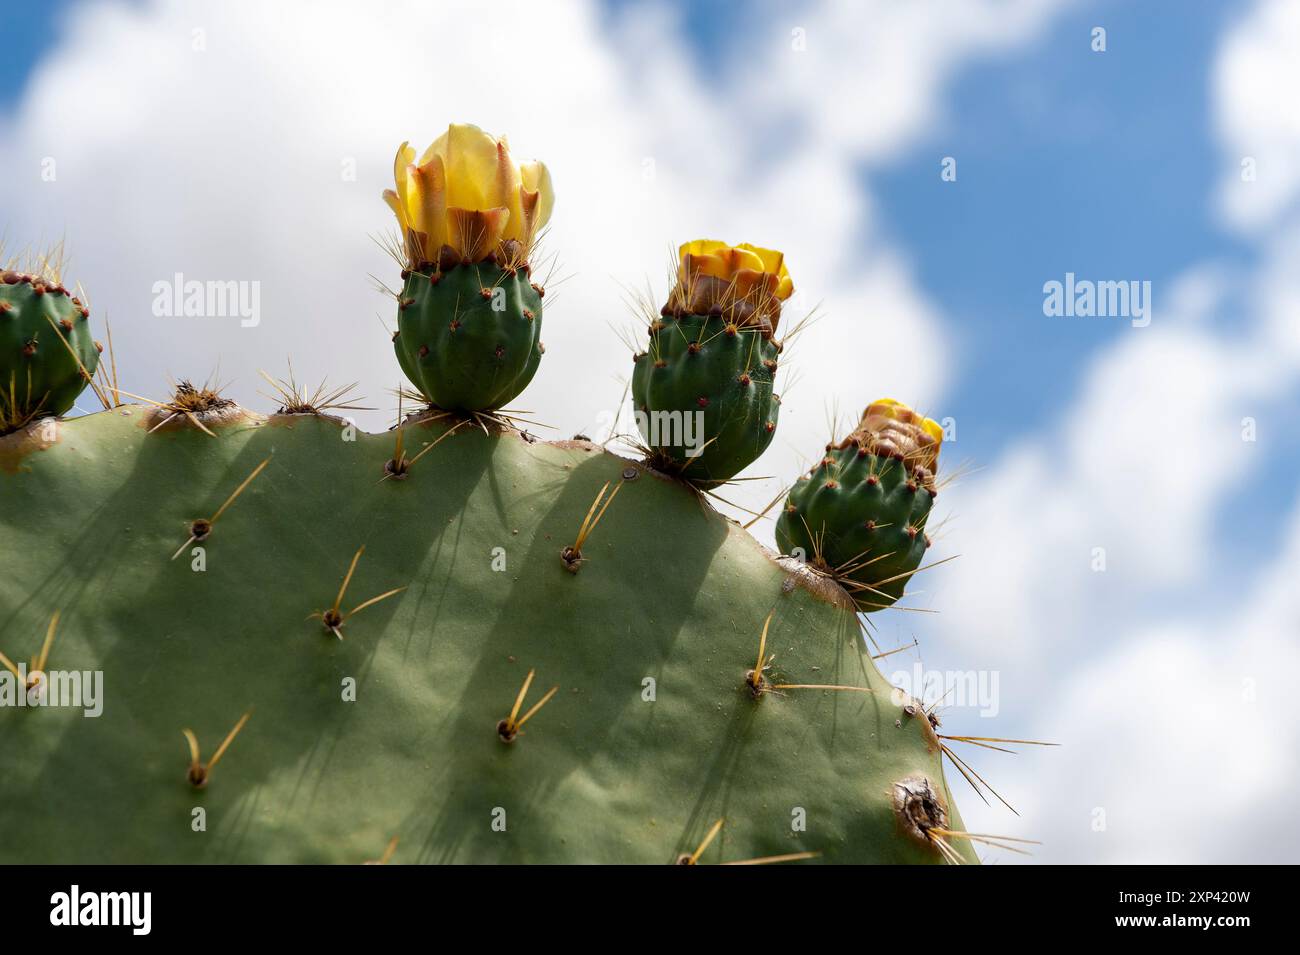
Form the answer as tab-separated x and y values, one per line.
469	318
703	389
469	336
47	355
668	717
860	514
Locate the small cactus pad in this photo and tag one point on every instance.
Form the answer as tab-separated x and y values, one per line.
640	729
46	351
860	513
703	396
469	336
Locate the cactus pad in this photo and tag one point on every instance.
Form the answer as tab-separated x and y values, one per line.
656	730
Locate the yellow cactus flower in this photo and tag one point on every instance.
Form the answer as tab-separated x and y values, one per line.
744	283
467	198
889	427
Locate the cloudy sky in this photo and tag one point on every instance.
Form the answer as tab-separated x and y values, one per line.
1127	523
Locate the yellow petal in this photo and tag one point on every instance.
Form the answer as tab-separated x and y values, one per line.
395	204
469	156
748	284
774	264
429	197
476	232
711	257
773	261
914	436
405	156
703	265
699	247
535	177
414	197
505	191
890	408
741	259
526	228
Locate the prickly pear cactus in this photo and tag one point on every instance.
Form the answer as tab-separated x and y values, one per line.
337	658
860	514
703	389
469	316
47	355
282	640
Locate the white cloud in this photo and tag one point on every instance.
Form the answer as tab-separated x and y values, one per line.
1256	69
1180	735
1277	294
872	76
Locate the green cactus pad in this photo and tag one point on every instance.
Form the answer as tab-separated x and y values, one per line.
44	333
653	735
863	516
469	337
718	372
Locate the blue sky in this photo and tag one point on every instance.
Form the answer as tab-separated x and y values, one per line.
1069	160
36	24
1082	432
